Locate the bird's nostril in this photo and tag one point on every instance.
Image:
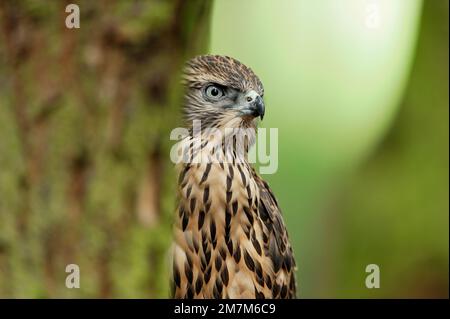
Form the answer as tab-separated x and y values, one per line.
249	99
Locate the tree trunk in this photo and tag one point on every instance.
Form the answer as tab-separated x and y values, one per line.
85	117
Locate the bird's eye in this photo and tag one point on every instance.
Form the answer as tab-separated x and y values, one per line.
214	92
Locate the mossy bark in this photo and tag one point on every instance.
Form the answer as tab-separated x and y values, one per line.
85	117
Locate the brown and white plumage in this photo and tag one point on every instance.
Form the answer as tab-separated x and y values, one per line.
230	240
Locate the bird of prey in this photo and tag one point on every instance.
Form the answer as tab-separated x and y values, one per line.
230	240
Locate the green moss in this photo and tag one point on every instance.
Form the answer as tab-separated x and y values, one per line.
69	180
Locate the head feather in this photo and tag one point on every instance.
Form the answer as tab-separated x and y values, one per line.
222	70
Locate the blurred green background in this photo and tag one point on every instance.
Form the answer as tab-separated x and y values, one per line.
358	90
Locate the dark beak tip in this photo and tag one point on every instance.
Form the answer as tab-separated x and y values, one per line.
260	107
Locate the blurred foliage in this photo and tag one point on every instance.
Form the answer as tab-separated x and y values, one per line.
395	211
358	181
85	116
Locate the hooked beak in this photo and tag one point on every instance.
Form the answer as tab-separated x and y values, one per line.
254	105
258	107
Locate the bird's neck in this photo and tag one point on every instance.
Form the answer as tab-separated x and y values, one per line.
229	140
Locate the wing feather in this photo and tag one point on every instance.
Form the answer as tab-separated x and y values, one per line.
277	247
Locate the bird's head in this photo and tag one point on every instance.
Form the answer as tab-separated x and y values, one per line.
221	91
